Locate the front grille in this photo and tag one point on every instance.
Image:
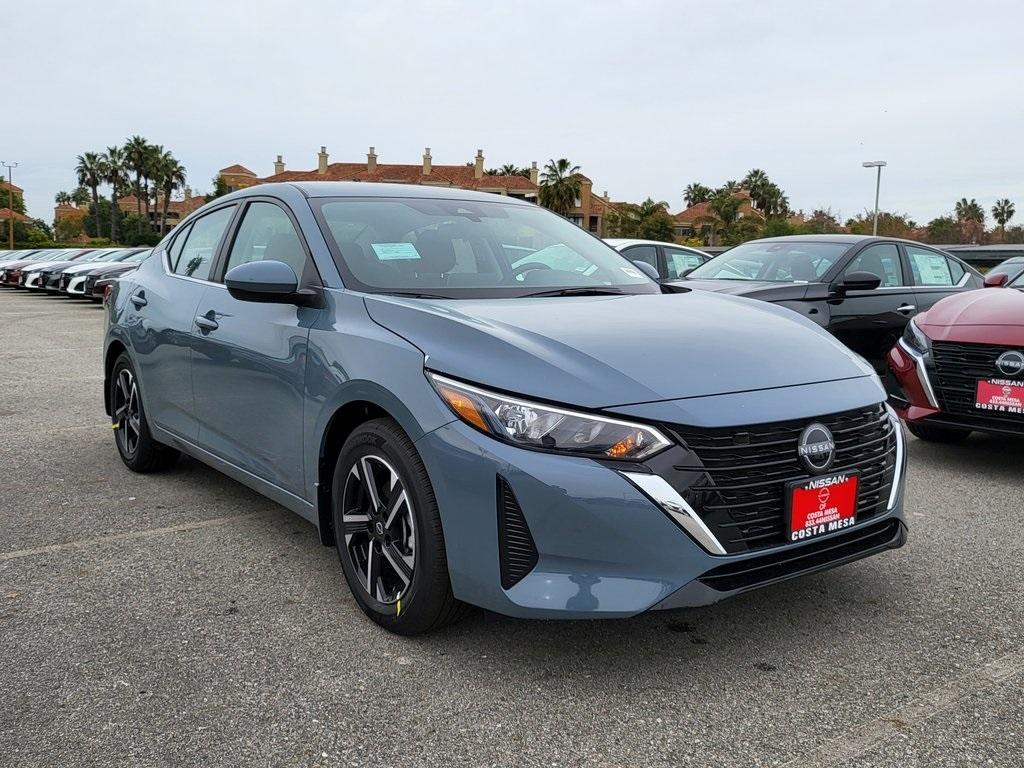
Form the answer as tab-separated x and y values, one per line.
745	471
957	369
64	281
517	553
836	550
90	283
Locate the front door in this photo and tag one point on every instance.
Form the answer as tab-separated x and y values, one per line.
249	359
870	322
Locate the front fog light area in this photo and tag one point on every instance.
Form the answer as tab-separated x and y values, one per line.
543	427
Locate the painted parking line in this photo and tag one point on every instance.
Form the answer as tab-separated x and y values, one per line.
921	708
101	540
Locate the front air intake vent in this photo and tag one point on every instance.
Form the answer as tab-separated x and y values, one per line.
517	554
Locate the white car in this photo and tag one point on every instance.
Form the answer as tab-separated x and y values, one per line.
69	275
672	261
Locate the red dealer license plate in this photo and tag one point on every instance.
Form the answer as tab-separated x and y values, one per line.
1000	395
821	505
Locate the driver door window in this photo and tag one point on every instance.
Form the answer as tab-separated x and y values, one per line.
882	260
267	234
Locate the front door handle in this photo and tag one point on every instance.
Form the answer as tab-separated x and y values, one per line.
139	300
906	309
206	322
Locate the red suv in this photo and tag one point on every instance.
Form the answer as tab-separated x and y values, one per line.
960	366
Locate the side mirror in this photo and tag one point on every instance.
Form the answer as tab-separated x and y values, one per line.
264	281
859	281
647	269
996	281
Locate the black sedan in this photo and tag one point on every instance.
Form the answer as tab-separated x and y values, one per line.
863	289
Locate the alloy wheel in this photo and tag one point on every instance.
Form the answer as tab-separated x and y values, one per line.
127	414
379	528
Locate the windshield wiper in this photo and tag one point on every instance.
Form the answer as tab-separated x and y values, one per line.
414	295
580	291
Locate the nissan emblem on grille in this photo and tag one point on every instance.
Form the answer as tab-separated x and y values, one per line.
1010	363
816	447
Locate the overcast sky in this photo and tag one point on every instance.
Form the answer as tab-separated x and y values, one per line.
645	97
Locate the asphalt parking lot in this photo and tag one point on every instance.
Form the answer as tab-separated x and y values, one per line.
182	619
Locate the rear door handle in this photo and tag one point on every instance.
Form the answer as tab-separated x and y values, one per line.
206	322
906	309
139	300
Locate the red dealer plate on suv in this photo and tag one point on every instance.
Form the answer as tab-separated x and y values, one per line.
821	505
1000	395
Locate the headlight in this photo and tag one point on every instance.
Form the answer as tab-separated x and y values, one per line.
546	428
914	338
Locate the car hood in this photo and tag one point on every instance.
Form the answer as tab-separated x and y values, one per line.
113	269
602	351
986	306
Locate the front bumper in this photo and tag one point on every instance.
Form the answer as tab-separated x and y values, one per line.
603	547
75	285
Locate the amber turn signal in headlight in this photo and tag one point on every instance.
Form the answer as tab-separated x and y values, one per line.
545	427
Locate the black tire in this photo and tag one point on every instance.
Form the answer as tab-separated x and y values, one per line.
416	604
936	434
138	450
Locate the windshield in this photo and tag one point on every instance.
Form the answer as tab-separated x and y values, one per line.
466	249
773	261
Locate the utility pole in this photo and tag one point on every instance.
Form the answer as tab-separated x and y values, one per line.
879	164
10	201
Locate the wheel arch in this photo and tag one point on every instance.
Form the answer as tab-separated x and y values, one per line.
114	350
364	402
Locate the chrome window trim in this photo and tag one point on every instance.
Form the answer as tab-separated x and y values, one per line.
668	499
922	373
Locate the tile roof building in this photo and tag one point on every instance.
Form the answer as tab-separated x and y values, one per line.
176	209
589	212
693	221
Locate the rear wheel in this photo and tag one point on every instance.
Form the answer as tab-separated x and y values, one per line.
388	532
139	451
936	434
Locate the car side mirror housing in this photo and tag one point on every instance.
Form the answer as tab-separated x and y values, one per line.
859	281
996	281
647	269
263	281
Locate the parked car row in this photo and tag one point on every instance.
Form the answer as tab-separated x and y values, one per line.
82	273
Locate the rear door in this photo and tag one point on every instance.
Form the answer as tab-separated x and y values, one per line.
249	360
869	322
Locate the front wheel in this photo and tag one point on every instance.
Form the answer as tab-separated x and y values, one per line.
388	532
936	434
139	451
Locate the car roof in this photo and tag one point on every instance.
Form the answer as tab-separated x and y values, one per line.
622	242
318	189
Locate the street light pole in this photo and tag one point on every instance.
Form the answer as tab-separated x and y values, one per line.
879	164
10	202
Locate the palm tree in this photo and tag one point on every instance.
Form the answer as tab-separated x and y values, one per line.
168	175
755	178
731	186
696	193
560	186
969	210
91	173
80	196
508	169
136	155
116	165
1002	212
772	201
62	198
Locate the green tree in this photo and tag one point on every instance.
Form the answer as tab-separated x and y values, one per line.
136	158
1002	212
62	198
730	186
80	196
68	228
943	230
889	224
696	193
971	218
91	173
560	186
821	222
168	175
219	187
650	220
115	165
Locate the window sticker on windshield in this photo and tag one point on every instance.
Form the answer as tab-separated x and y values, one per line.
395	251
630	272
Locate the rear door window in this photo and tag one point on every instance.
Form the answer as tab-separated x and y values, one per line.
930	268
679	262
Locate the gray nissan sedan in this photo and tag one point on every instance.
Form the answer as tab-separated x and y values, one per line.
478	403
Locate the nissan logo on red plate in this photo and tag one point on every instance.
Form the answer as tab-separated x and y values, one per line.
816	447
